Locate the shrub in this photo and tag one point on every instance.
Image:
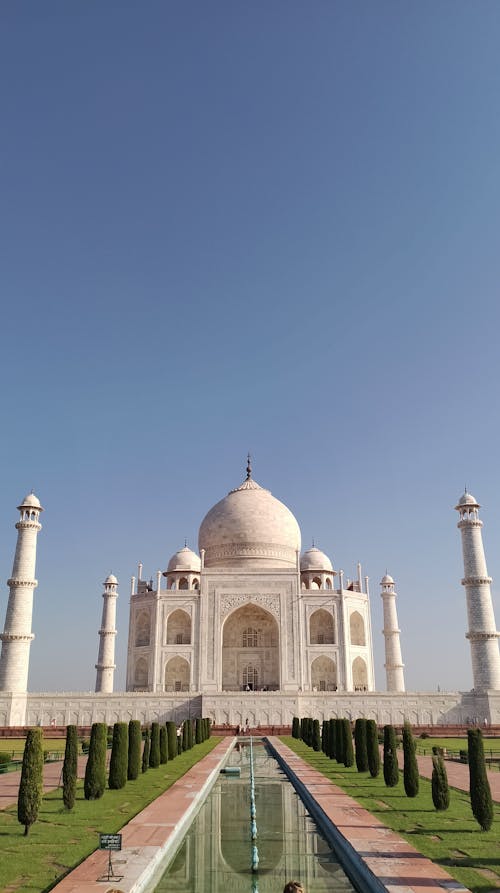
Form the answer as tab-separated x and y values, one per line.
198	726
372	748
70	767
331	738
424	735
5	758
295	727
316	736
480	793
339	740
391	771
185	735
31	786
145	752
154	750
325	728
118	764
95	771
347	743
134	749
172	740
163	745
410	765
439	784
361	746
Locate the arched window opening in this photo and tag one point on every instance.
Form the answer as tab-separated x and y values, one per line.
357	627
359	675
250	678
317	582
323	674
142	629
141	674
177	674
179	628
250	638
328	583
196	583
321	629
183	583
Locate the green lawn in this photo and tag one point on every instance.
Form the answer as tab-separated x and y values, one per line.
59	840
425	745
452	839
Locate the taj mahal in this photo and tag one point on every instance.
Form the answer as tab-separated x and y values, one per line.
249	630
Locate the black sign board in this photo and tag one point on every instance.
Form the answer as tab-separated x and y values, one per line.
110	841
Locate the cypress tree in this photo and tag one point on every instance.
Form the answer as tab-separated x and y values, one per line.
185	735
209	728
302	728
163	745
94	783
439	784
118	764
391	771
325	728
145	752
331	738
134	749
30	793
190	734
295	727
198	737
70	767
372	747
172	740
347	741
410	766
480	793
154	750
316	736
339	740
361	746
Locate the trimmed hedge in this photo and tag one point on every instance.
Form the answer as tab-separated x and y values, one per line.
134	749
118	764
391	769
94	783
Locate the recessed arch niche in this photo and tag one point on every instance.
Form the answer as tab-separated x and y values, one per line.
178	628
324	674
177	674
357	629
359	674
258	649
321	629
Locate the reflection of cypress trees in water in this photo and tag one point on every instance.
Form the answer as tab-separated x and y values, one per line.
215	856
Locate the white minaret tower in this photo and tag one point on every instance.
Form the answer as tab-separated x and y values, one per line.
482	634
17	636
394	665
105	665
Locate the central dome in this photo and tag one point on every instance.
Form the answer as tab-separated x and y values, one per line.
249	527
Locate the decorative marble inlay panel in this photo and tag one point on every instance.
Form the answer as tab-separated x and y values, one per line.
229	603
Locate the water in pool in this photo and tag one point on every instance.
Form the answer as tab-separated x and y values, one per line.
216	854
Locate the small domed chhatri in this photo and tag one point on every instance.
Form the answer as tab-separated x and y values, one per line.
184	560
249	527
314	559
31	501
386	580
467	499
111	579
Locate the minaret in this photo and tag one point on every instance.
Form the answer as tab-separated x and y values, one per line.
394	665
482	634
17	636
105	665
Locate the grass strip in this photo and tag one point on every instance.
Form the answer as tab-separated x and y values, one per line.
60	840
452	839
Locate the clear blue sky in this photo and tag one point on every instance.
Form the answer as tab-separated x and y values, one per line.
267	226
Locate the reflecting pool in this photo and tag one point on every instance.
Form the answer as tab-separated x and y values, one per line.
216	854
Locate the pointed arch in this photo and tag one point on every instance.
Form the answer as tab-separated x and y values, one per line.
250	637
142	628
359	674
177	674
321	628
141	673
323	674
357	629
179	628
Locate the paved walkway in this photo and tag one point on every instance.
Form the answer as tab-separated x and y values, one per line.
147	837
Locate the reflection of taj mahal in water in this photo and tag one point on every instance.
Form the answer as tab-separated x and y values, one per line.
249	629
215	854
